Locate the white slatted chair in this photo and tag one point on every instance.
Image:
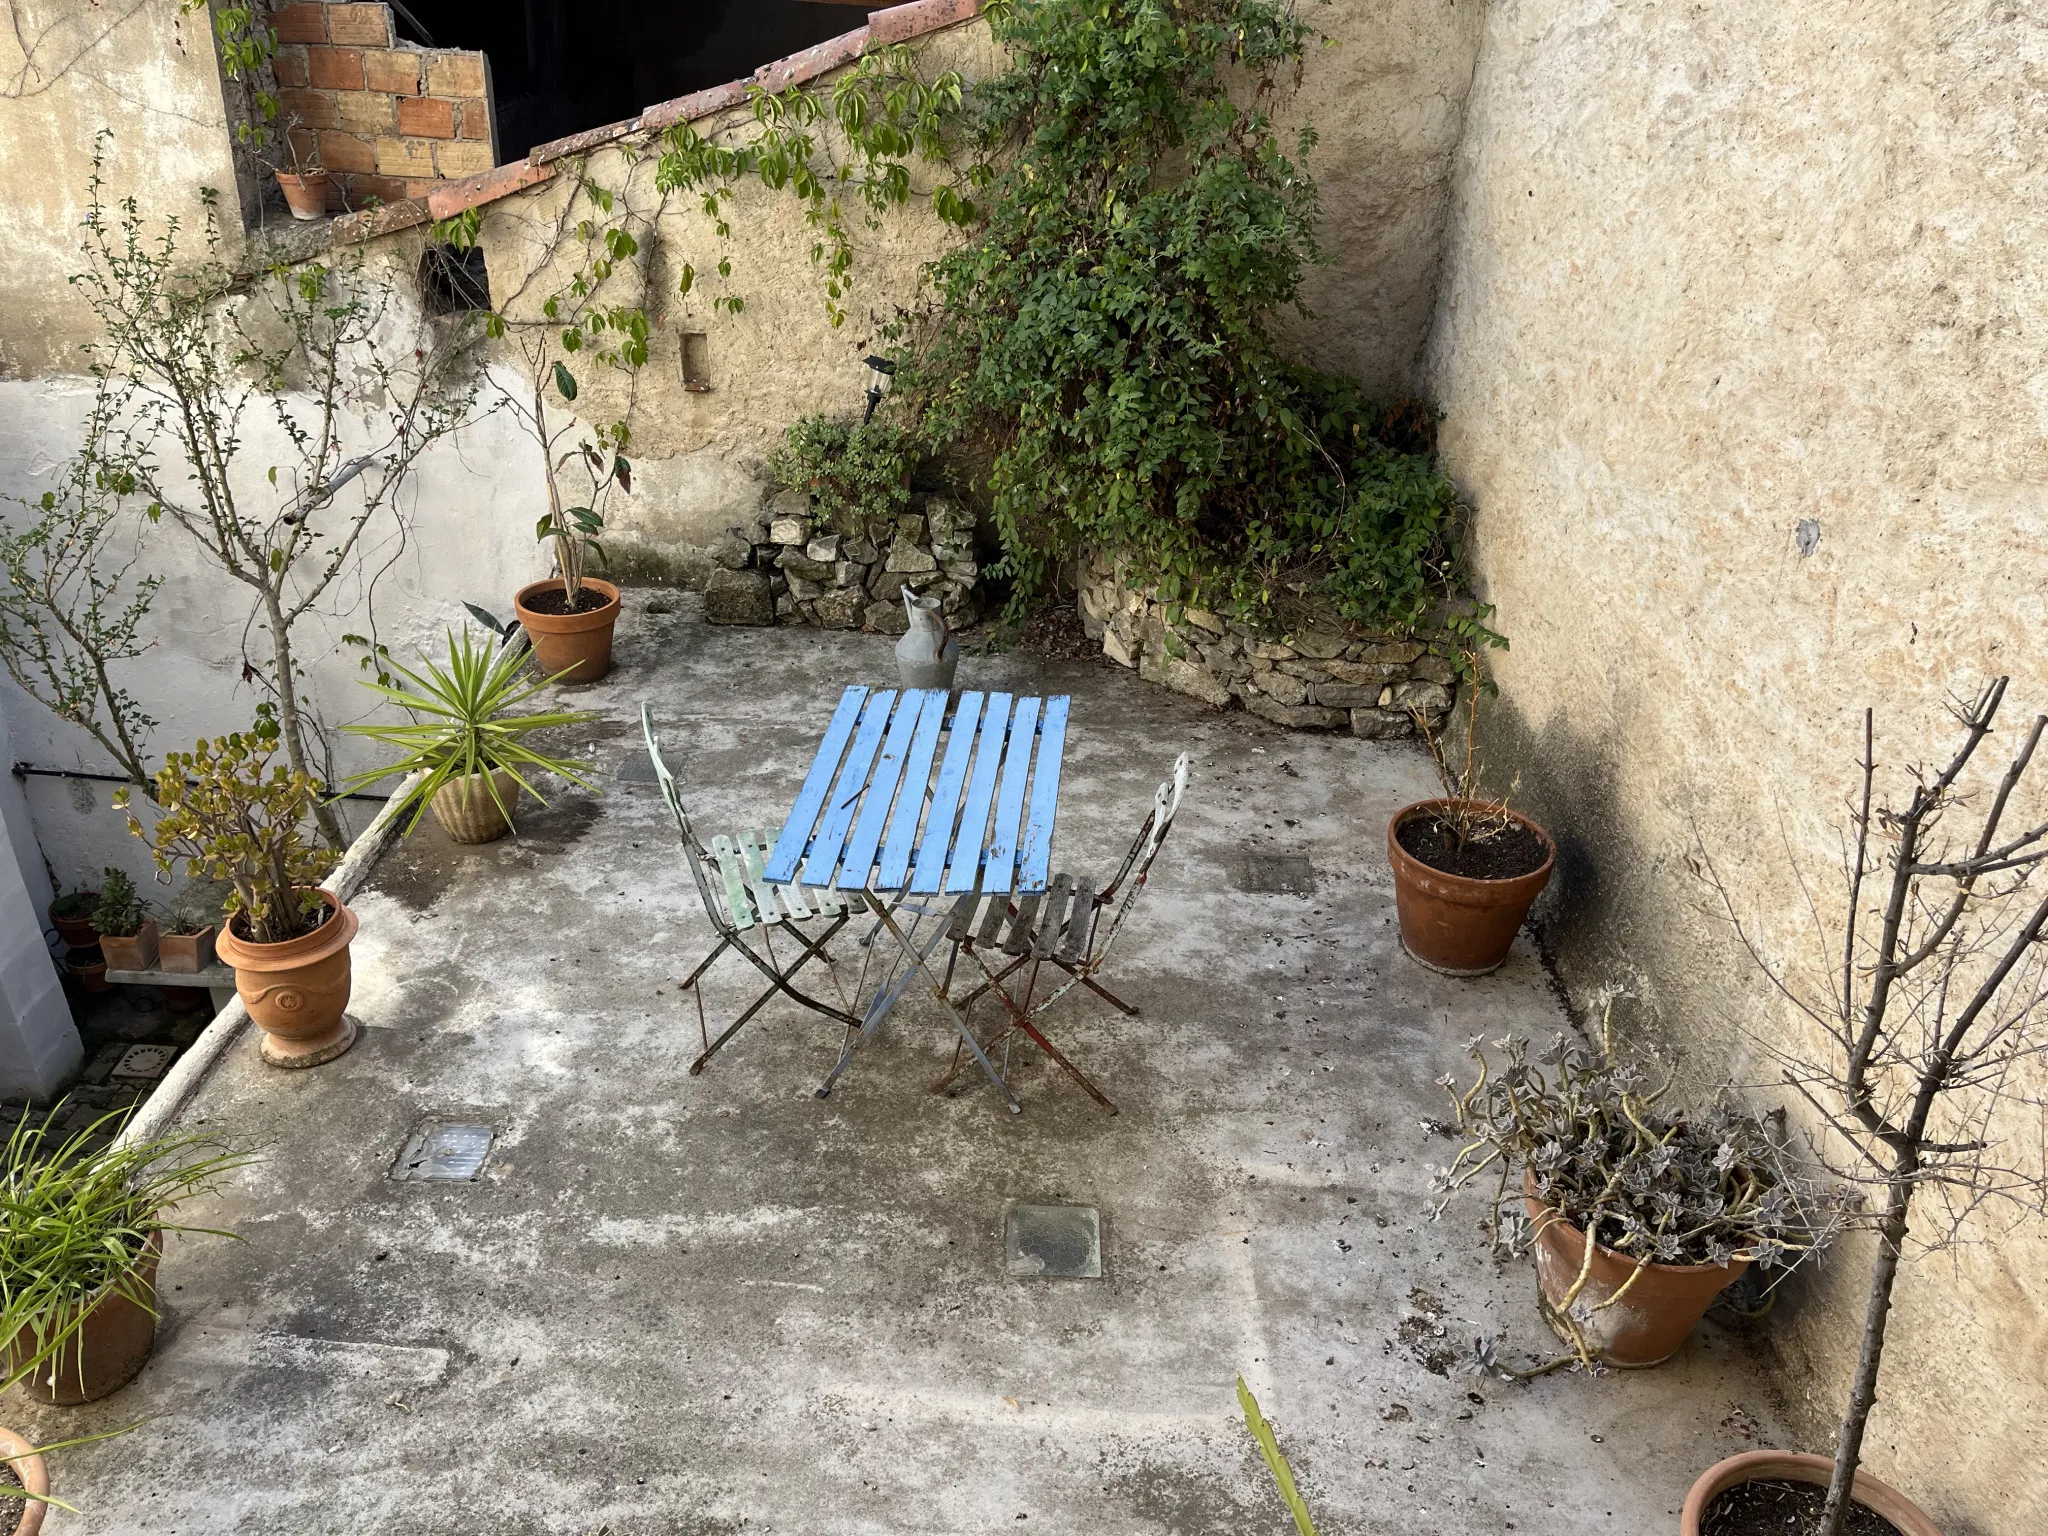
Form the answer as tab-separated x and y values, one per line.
740	904
1062	928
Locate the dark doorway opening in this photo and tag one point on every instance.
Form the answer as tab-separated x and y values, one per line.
561	66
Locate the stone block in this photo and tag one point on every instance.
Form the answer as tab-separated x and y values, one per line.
1375	672
313	109
962	604
1278	687
887	618
300	23
1348	695
860	550
335	69
404	157
842	608
1430	698
455	74
1318	642
961	570
785	606
1202	619
805	590
461	157
1380	725
366	113
1184	675
796	564
1270	650
289	66
1299	717
947	517
1307	671
1435	669
738	597
785	529
347	153
849	573
1114	647
365	26
824	549
426	117
397	71
730	550
906	557
911	526
1401	651
474	120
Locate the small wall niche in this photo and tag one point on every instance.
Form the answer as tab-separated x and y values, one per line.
454	281
696	362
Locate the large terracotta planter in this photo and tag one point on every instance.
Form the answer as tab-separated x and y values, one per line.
186	954
1454	924
466	811
78	932
1646	1326
30	1472
579	644
104	1355
297	991
136	952
1789	1466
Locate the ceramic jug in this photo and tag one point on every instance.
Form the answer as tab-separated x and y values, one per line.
927	655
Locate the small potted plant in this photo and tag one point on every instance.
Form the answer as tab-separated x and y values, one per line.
128	936
467	741
185	947
305	184
71	916
230	814
1678	1203
81	1233
88	967
25	1476
1466	868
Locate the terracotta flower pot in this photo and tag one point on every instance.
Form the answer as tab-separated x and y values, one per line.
305	193
136	952
1789	1466
561	641
1646	1326
104	1355
297	991
30	1472
78	932
186	954
466	811
89	967
1452	923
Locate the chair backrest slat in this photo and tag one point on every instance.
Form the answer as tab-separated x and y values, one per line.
694	852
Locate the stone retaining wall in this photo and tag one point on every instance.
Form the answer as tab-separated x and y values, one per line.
1323	676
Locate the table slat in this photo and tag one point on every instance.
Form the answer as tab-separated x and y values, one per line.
1002	843
938	822
845	796
796	831
1034	852
964	869
917	773
858	862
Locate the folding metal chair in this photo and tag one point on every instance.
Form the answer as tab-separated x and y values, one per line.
749	905
1062	928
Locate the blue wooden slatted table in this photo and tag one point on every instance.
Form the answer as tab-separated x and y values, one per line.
885	814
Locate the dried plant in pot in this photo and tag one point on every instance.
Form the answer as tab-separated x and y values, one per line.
128	936
468	744
229	813
305	184
1677	1201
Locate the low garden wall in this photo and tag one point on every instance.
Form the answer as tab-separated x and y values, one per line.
1324	675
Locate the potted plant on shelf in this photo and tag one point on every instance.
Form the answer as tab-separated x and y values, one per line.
230	814
71	916
467	743
128	935
1678	1203
1466	868
81	1233
88	967
186	945
305	184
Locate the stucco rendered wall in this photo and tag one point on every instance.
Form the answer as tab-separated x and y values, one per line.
1712	271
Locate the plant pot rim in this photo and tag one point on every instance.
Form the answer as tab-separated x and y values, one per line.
190	933
1468	885
32	1472
86	899
567	623
1534	1204
147	924
1879	1497
248	955
304	178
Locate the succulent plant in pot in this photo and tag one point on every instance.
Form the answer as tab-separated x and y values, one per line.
128	936
186	944
468	743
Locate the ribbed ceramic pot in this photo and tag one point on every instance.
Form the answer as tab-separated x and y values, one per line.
466	811
1792	1467
297	991
579	644
1453	923
32	1474
107	1353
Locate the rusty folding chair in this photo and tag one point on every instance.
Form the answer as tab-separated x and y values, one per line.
1062	928
749	906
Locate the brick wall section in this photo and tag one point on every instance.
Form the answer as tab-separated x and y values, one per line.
388	119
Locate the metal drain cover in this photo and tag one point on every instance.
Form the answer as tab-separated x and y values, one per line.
1276	874
145	1061
445	1151
1063	1241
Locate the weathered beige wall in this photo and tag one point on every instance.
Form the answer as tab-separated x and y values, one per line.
69	69
1712	271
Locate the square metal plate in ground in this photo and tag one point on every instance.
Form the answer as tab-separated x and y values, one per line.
147	1062
1060	1241
1276	874
445	1152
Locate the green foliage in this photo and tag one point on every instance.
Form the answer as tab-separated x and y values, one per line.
119	914
76	1220
1269	1448
855	475
230	814
247	45
464	722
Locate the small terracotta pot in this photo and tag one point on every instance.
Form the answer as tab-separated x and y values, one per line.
104	1355
78	932
1646	1326
566	641
466	811
136	952
297	991
30	1472
305	193
1789	1466
185	954
1453	924
89	967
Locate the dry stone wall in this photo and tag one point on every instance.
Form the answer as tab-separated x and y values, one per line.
1323	675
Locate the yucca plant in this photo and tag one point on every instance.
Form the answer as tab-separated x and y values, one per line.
75	1224
465	722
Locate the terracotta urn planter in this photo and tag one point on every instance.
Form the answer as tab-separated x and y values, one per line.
77	930
1789	1466
304	193
1456	924
1647	1326
466	811
104	1355
136	952
186	954
27	1465
88	967
297	991
579	644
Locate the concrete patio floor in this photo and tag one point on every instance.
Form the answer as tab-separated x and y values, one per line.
717	1304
